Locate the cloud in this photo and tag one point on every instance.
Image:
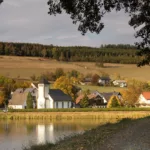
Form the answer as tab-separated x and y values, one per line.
28	21
66	37
11	3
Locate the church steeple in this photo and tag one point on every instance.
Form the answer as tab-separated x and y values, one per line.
43	92
43	81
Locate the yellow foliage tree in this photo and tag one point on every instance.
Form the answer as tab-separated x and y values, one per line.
114	102
130	96
132	93
2	98
66	85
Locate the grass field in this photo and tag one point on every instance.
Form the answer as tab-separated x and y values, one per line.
24	67
101	89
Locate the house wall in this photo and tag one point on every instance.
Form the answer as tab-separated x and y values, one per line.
101	81
51	102
47	103
66	105
16	106
60	104
41	97
142	100
46	90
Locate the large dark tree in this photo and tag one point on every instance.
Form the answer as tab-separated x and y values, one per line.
1	1
89	13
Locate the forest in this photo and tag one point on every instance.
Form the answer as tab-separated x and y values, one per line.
124	54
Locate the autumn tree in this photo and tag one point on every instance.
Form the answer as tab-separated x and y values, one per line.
132	93
84	101
62	57
59	72
114	102
30	101
55	53
95	79
1	98
66	85
5	95
73	73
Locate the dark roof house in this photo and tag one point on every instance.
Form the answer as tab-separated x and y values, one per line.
58	95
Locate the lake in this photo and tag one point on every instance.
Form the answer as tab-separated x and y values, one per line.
14	134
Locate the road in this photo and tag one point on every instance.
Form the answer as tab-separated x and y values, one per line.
134	137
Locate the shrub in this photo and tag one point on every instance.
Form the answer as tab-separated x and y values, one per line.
114	102
30	100
84	101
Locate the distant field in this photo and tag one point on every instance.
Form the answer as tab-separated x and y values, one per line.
101	89
24	67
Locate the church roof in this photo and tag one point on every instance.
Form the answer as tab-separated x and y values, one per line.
58	95
43	81
18	99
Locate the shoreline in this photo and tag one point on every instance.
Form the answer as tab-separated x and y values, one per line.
74	115
95	139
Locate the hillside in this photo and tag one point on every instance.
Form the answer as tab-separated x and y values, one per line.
24	67
124	54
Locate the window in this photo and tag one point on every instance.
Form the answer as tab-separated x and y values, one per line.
56	104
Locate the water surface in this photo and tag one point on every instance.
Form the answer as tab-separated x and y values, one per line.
18	133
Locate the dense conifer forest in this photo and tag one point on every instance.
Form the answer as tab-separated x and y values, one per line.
125	54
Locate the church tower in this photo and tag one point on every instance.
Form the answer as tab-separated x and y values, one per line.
43	92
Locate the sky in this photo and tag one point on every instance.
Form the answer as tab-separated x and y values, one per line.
28	21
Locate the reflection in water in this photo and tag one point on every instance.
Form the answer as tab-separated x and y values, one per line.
16	134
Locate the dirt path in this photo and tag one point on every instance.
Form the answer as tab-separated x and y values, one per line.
135	137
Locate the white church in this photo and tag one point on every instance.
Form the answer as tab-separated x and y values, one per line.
43	95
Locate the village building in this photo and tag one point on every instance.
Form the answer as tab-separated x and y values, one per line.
104	81
143	100
120	83
44	97
19	98
98	100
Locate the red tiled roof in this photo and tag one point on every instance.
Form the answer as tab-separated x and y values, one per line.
90	96
78	99
146	95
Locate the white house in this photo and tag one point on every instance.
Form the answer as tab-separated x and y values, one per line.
120	83
19	98
52	98
144	100
44	97
104	81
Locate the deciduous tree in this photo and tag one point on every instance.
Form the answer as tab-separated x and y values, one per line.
66	85
59	72
1	98
95	78
132	93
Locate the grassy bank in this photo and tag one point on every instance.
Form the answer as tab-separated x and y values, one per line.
90	140
80	110
75	115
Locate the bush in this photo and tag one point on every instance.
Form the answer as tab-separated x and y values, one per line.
30	100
